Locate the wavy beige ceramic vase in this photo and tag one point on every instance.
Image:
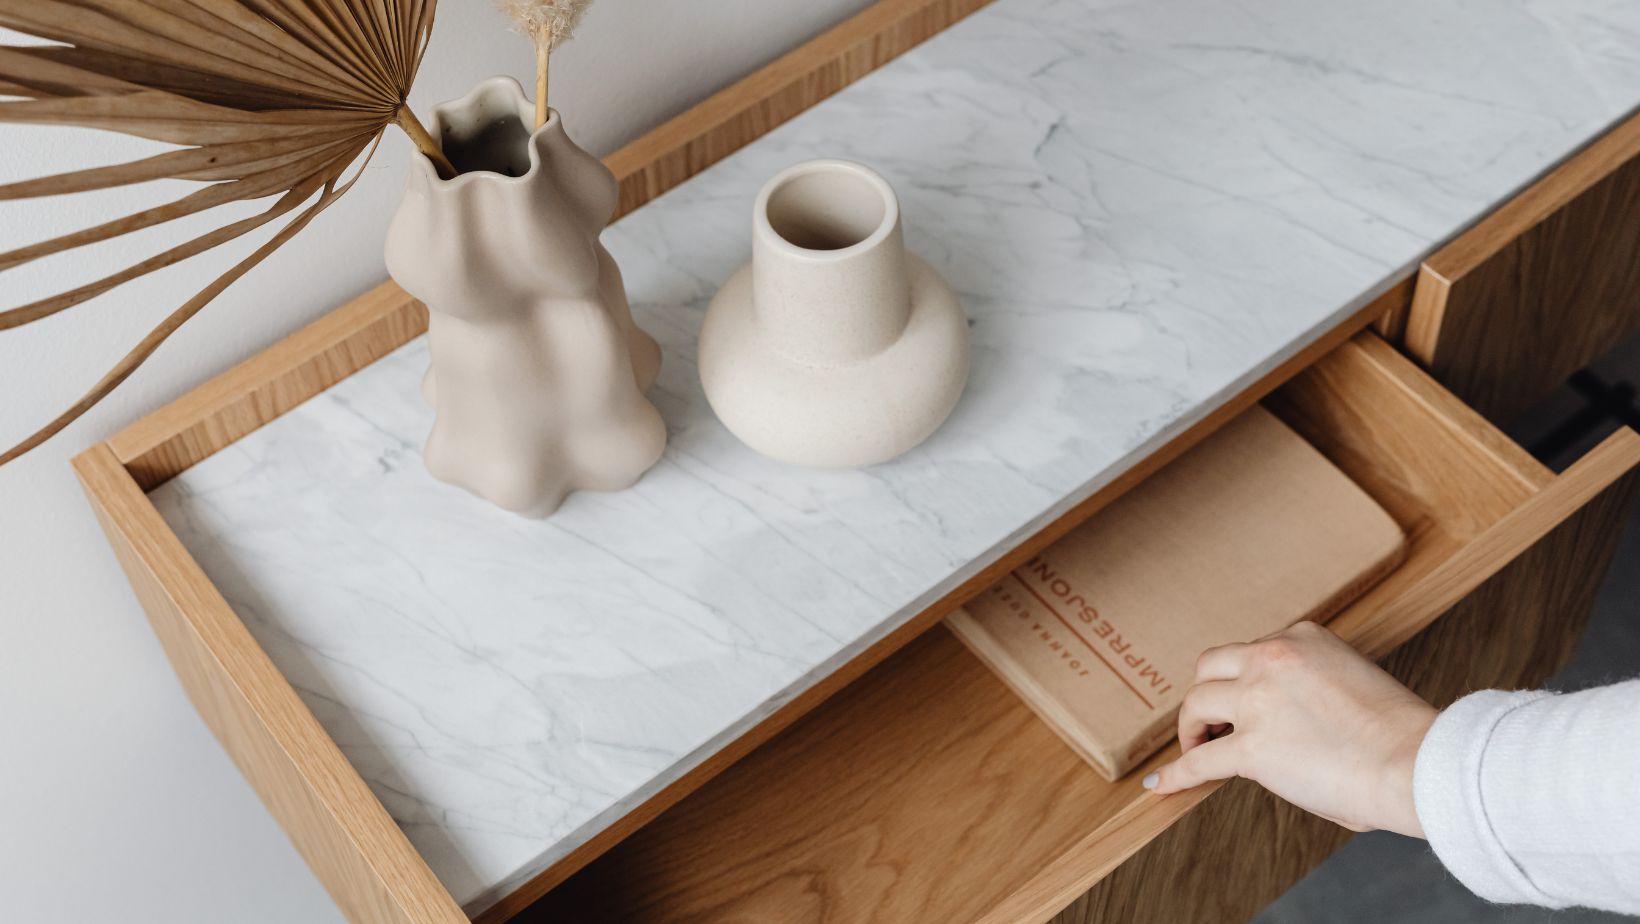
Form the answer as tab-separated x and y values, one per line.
538	373
833	347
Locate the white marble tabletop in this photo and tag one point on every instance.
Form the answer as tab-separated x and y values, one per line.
1144	205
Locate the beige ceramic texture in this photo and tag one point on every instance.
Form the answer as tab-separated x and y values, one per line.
833	347
538	373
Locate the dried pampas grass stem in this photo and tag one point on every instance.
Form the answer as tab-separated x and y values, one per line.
548	23
543	58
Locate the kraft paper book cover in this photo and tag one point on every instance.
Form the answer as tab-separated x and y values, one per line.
1245	534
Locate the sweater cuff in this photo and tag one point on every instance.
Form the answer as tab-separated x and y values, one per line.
1446	788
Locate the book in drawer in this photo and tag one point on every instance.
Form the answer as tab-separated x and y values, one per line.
1247	533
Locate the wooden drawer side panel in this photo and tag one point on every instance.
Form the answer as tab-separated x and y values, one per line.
1538	289
347	838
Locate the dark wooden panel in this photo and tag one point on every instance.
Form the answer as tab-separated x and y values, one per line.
1541	287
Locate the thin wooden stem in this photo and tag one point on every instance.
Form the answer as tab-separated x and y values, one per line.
423	141
543	51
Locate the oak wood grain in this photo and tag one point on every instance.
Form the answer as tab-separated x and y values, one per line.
344	834
926	791
1392	324
1539	288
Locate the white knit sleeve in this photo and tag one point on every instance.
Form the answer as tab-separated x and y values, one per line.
1535	797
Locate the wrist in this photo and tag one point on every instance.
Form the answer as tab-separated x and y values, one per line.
1396	808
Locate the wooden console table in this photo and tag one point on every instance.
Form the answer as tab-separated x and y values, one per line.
724	695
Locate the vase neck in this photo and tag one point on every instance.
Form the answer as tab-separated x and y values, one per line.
829	280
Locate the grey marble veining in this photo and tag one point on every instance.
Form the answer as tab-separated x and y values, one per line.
1144	206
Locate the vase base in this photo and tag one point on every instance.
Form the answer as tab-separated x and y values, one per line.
610	457
847	415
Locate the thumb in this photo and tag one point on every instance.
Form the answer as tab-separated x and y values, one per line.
1215	760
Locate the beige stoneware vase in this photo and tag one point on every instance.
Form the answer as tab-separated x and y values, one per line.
833	347
538	373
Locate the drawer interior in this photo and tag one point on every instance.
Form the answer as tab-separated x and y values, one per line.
925	791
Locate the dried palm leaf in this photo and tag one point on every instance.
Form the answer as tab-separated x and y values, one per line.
548	23
268	99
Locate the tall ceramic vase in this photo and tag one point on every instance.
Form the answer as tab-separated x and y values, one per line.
833	347
538	373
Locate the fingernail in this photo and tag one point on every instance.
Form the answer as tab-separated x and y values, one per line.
1150	780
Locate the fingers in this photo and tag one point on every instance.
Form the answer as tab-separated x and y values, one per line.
1231	662
1206	707
1215	760
1222	663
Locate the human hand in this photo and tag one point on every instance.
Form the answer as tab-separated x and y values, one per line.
1306	717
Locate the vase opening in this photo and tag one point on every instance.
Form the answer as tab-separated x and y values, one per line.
499	144
830	207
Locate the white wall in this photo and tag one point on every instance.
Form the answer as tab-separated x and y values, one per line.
116	805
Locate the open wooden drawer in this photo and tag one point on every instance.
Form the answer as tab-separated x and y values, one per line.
925	791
